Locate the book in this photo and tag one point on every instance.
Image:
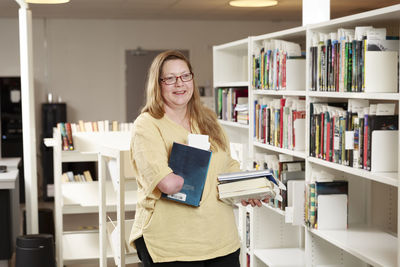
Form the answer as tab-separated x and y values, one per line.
65	143
256	184
68	130
255	193
192	165
88	176
236	176
243	185
331	187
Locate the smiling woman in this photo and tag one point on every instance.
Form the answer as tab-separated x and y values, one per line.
173	110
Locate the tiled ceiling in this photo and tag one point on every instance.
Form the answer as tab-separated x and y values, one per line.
185	9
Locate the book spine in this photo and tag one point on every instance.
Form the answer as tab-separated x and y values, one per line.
69	136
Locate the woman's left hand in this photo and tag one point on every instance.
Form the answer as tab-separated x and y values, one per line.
254	202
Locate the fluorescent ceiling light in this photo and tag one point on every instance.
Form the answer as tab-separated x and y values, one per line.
47	1
253	3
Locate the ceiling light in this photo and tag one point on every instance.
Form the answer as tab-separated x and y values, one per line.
47	1
253	3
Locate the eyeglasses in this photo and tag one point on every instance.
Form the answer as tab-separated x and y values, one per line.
187	77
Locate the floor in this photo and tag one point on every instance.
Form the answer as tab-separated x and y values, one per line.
76	222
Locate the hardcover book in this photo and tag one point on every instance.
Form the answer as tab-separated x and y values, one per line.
192	165
256	184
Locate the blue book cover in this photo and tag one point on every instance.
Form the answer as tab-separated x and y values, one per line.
192	165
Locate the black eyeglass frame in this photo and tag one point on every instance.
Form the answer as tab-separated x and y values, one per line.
178	77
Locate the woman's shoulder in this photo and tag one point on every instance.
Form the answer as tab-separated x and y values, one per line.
145	120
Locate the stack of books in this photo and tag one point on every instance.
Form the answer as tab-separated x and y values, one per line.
258	184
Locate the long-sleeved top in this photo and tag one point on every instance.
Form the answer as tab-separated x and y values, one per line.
174	231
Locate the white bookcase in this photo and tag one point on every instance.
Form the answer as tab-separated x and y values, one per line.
373	211
83	247
121	175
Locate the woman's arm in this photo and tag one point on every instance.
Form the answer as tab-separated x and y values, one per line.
170	184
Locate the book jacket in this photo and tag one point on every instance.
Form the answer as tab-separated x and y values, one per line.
192	165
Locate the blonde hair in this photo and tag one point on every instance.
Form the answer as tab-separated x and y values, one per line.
205	118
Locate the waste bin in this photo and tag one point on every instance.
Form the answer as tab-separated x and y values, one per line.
35	251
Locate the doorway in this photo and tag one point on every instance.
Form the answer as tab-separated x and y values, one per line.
138	62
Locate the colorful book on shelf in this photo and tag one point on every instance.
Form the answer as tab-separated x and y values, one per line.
64	137
68	130
192	165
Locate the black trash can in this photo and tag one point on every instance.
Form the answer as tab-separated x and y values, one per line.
35	251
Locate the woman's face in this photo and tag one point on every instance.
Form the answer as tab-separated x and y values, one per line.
177	94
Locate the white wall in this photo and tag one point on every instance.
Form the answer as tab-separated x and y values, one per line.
84	62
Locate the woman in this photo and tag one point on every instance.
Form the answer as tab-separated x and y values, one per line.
168	233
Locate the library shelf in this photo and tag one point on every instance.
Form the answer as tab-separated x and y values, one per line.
232	84
81	247
389	178
294	153
83	197
382	15
77	156
279	92
277	210
373	246
234	124
349	95
281	256
368	191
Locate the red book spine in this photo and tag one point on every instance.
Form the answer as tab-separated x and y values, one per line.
321	144
283	101
328	141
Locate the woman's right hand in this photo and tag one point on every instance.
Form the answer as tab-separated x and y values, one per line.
170	184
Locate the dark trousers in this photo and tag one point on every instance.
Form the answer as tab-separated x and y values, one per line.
230	260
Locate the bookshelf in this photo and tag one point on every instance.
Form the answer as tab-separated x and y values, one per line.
83	246
373	208
121	175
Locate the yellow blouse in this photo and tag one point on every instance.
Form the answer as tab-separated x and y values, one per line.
175	231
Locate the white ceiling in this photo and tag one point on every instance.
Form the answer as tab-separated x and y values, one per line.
185	9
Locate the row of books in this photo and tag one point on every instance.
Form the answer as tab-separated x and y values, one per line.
68	129
342	132
232	104
270	60
338	60
69	176
280	122
326	205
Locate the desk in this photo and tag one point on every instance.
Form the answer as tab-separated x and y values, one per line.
10	213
